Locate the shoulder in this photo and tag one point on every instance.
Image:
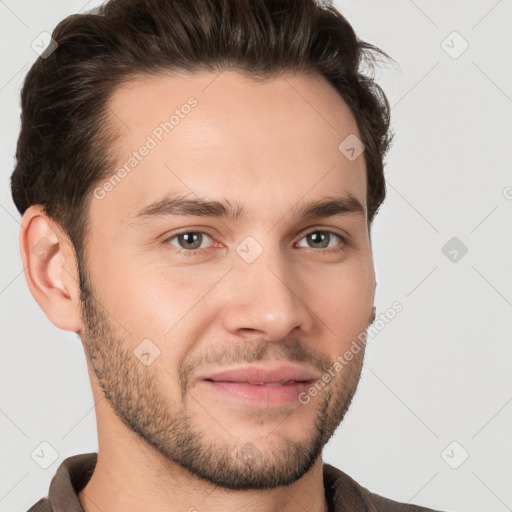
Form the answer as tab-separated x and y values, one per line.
43	505
384	504
344	493
71	476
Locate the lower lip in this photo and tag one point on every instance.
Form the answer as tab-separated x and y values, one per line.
268	396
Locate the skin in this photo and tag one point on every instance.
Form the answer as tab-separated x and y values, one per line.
166	441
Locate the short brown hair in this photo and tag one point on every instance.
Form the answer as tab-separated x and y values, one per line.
65	145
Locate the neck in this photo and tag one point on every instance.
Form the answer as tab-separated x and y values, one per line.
123	483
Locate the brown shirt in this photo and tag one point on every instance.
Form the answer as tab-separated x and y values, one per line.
343	494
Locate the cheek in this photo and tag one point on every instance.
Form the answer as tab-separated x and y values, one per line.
161	302
343	299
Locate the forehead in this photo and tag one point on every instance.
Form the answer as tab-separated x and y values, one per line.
216	135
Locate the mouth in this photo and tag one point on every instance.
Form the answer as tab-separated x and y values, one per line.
263	374
280	383
264	394
261	386
268	394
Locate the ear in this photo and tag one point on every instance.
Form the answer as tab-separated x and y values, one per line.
50	267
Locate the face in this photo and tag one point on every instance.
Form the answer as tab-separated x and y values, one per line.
190	307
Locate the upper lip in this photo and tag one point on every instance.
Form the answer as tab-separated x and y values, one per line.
255	374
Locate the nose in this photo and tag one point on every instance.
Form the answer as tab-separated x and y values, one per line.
265	296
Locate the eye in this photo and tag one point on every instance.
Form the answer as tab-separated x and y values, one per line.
193	242
322	239
189	241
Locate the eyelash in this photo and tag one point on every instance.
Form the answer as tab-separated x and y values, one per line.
187	252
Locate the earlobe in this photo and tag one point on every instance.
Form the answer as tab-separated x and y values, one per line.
50	268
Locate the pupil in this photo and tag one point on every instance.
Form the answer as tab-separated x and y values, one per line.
194	237
317	237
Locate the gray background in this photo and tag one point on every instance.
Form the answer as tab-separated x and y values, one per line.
440	371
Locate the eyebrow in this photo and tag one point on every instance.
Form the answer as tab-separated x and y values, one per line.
200	207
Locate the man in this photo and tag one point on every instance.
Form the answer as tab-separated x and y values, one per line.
197	180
